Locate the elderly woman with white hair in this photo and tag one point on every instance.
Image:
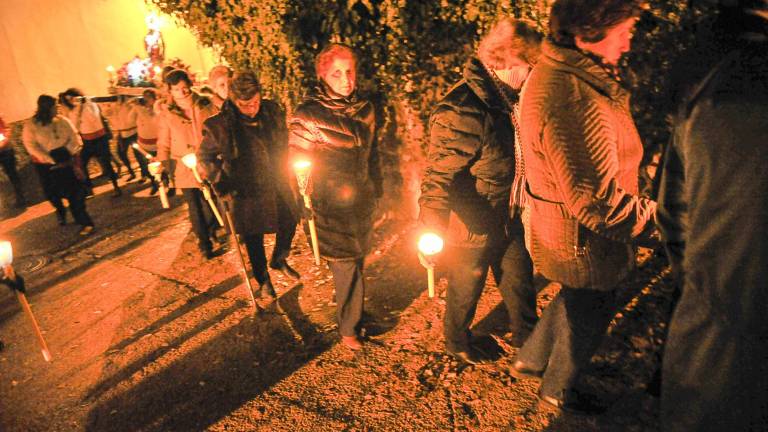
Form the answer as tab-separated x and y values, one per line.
465	192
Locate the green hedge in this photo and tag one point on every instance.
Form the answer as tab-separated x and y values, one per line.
411	52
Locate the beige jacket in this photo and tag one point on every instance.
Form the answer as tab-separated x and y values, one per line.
179	135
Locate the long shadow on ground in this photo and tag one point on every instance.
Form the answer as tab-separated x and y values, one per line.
218	377
37	234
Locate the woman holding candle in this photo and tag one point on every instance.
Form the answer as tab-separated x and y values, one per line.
335	129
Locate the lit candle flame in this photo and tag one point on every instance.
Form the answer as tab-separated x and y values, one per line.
189	160
2	137
301	165
6	253
430	243
154	167
110	69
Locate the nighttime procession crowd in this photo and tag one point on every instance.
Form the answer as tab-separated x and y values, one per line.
539	123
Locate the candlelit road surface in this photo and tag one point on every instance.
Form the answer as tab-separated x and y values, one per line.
146	335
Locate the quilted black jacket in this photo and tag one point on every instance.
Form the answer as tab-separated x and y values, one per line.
339	137
471	162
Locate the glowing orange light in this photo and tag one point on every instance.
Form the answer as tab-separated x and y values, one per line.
301	166
2	137
189	160
430	244
6	254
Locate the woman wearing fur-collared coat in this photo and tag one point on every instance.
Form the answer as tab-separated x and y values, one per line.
336	130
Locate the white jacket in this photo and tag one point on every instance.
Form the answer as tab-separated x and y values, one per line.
124	120
39	140
85	117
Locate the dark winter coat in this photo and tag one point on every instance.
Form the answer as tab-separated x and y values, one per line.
582	155
471	162
339	137
713	211
247	159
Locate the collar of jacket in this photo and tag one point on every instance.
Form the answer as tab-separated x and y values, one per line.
577	63
480	81
198	101
349	105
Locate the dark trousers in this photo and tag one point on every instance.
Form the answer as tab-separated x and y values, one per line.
350	293
123	144
254	244
98	147
61	183
201	217
8	162
567	335
513	271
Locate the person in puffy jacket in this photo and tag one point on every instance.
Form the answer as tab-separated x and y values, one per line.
244	154
582	154
465	191
335	128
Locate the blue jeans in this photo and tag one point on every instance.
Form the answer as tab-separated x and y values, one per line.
513	271
567	335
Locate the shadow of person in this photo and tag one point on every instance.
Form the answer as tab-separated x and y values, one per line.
199	386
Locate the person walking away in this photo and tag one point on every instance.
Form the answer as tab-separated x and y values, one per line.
465	192
86	118
146	129
335	128
582	154
124	124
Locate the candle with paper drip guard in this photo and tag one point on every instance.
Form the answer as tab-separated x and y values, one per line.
190	161
156	169
16	284
303	168
429	244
